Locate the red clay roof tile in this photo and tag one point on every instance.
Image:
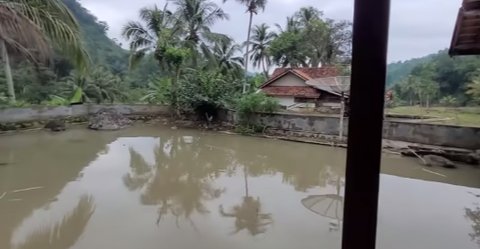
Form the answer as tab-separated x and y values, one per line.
295	91
311	72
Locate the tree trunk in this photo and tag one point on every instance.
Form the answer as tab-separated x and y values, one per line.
246	52
427	102
8	72
265	71
174	91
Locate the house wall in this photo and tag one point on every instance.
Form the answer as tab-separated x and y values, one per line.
328	100
285	101
289	80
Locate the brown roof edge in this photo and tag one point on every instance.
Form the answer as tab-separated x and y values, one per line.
305	73
466	35
471	4
452	51
268	82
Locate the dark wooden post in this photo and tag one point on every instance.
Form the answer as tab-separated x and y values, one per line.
367	95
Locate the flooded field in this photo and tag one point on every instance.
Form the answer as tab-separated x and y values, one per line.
158	188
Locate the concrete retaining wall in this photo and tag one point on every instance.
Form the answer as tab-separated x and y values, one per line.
38	113
414	132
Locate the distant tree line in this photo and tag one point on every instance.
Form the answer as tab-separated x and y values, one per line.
441	80
175	57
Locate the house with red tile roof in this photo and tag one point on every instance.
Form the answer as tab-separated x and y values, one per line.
301	87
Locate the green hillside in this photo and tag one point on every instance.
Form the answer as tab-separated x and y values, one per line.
401	69
436	79
102	49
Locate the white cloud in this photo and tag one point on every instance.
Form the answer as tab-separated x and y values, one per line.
417	28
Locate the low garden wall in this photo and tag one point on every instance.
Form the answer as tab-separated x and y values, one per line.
414	132
40	113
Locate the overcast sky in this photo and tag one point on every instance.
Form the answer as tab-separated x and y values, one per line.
417	27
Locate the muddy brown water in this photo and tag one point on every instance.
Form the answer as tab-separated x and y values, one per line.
151	187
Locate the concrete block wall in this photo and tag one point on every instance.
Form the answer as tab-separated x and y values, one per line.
414	132
39	113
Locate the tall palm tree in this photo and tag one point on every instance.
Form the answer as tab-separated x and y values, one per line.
253	6
222	56
155	31
32	28
261	40
292	26
196	17
308	14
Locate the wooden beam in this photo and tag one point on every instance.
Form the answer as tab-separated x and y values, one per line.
369	62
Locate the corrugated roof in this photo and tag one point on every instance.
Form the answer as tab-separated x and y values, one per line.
466	36
334	85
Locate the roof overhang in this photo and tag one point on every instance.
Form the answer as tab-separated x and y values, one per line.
294	72
466	35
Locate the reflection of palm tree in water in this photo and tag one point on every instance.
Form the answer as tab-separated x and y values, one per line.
248	214
64	234
474	215
179	183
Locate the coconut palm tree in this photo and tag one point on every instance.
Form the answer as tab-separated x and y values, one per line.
261	40
253	6
222	56
32	28
306	15
196	17
155	31
100	86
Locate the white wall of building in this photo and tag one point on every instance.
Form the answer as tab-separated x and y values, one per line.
285	100
289	80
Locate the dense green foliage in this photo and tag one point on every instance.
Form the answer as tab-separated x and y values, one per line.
176	58
249	104
440	79
308	39
401	69
102	50
32	30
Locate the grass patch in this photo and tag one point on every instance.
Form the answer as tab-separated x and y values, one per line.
465	116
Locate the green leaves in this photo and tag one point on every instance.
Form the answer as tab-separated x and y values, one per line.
99	86
57	24
308	39
77	95
200	88
473	89
252	103
158	91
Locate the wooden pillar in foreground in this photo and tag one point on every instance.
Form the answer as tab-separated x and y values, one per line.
369	57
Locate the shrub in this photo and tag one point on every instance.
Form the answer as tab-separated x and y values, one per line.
205	92
449	101
250	104
159	91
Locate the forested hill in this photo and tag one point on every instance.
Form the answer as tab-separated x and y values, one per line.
437	77
399	70
102	49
